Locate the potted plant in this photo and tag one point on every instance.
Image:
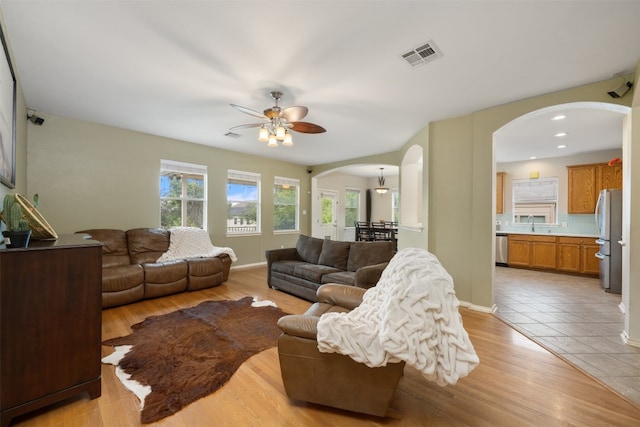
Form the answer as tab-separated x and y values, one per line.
17	233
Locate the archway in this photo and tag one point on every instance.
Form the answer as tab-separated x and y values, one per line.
351	184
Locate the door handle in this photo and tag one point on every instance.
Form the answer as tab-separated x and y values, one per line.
599	255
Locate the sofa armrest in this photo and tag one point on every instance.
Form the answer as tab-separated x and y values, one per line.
299	325
273	255
343	295
367	277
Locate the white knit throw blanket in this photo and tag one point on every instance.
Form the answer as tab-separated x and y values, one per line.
192	242
411	315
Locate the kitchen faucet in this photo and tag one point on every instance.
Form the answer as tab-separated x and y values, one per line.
533	223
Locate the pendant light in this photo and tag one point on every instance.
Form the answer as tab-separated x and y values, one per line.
381	189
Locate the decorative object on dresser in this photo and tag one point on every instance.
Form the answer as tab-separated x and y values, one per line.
29	215
208	343
17	233
50	324
146	263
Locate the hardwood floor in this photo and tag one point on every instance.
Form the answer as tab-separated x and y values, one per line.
518	383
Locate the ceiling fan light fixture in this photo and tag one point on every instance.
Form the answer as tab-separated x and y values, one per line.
280	131
288	140
263	136
273	142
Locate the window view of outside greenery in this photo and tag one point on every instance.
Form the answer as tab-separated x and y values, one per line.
351	207
182	199
327	211
285	209
243	202
395	205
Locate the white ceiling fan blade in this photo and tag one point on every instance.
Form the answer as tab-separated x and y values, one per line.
248	125
249	111
295	114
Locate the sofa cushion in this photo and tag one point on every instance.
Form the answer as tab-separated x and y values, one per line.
165	272
204	273
286	266
313	272
335	254
122	277
342	277
362	254
147	244
309	248
114	246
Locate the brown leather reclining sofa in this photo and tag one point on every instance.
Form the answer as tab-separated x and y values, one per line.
130	272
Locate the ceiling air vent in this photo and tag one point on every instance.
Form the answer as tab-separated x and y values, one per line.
232	135
421	55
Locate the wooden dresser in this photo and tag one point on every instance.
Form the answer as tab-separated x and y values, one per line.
50	323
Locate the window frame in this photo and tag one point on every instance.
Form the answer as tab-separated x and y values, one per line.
280	181
395	205
244	177
536	197
186	170
346	205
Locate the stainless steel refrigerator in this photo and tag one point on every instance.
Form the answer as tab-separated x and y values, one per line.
609	219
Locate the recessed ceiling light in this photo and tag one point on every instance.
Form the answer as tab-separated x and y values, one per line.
532	158
561	134
562	146
559	117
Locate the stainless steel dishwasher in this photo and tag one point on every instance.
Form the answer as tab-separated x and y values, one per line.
502	249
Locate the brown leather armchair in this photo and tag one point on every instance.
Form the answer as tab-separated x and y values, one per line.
332	379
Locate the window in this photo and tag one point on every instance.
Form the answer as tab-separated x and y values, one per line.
535	200
395	205
183	192
351	207
243	202
285	204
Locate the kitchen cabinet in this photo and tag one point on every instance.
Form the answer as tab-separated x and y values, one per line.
500	192
577	255
50	323
532	250
585	183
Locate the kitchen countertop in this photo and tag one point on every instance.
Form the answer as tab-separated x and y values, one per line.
542	233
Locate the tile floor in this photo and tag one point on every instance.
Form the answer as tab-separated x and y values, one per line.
574	318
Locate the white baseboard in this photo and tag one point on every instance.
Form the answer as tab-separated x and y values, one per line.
480	308
244	266
622	307
628	341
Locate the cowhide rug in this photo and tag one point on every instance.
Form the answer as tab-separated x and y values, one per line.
172	360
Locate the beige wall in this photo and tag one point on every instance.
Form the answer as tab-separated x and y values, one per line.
461	201
21	133
94	176
631	229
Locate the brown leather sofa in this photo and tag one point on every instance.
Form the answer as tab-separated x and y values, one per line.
130	272
332	379
302	270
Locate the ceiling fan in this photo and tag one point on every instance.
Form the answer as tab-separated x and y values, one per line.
277	122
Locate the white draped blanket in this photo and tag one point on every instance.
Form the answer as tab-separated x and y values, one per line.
192	242
411	315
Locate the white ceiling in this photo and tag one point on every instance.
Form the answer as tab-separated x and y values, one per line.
172	68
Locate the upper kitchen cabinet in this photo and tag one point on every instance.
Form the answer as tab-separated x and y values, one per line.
585	183
500	192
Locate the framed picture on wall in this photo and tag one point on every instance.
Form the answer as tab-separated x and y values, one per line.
7	117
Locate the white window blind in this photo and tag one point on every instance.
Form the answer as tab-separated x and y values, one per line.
172	165
535	190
